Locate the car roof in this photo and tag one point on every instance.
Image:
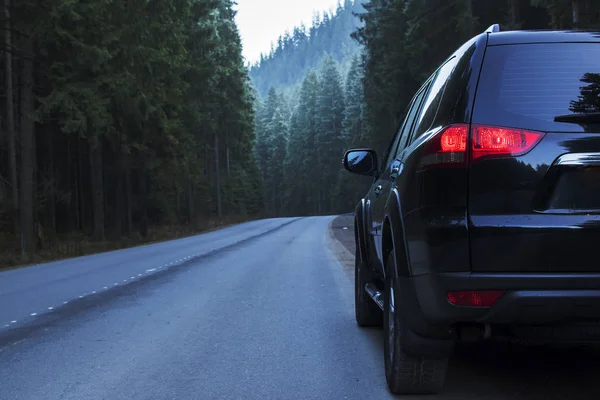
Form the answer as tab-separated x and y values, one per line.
522	37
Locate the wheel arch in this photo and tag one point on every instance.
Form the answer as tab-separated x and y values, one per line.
359	230
393	235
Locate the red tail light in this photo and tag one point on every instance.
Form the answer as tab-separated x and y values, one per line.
449	146
483	298
454	139
497	141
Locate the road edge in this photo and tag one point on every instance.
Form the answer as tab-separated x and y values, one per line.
343	255
110	292
150	243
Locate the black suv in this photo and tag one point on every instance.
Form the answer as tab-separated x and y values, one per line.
484	215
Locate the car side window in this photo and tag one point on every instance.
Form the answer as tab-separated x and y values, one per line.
410	119
433	99
389	155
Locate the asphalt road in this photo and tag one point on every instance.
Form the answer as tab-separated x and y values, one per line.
261	310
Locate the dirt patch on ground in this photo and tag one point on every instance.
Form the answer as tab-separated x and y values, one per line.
343	231
341	238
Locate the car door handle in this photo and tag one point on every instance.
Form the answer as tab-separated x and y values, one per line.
378	189
395	169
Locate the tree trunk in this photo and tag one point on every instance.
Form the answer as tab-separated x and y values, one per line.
469	5
119	198
218	178
191	208
76	185
51	194
275	206
576	13
513	14
143	196
129	197
80	192
227	154
228	162
73	199
10	120
95	144
28	155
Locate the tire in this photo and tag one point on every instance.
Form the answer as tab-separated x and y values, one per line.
367	312
406	373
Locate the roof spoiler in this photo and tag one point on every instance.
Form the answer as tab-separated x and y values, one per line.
493	29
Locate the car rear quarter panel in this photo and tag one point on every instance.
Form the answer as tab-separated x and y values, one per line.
433	202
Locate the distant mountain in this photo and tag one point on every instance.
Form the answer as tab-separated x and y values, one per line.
303	49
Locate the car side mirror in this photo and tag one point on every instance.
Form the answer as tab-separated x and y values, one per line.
361	162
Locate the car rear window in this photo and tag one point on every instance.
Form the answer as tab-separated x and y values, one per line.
527	85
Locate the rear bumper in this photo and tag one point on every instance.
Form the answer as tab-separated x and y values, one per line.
530	298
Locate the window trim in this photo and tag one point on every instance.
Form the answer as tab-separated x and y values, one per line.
403	144
397	137
434	77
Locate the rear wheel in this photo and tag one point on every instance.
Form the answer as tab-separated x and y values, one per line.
405	373
367	312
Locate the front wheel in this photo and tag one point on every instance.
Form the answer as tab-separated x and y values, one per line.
405	373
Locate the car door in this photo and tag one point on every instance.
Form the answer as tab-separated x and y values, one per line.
372	200
381	188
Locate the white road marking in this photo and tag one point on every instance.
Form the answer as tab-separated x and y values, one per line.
124	280
139	274
116	284
65	302
94	292
50	308
151	270
6	326
81	297
33	314
13	322
105	287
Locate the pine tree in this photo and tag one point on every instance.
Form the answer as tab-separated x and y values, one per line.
278	137
300	165
387	88
351	188
330	114
301	49
145	109
354	128
264	142
589	99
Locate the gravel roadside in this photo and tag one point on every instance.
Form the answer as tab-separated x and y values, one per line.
343	231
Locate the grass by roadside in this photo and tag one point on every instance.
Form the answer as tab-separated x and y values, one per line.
77	245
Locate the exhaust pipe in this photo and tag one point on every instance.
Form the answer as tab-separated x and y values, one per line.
475	333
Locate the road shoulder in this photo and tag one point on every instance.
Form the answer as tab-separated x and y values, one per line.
341	238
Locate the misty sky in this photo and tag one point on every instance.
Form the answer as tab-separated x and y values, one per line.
262	21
